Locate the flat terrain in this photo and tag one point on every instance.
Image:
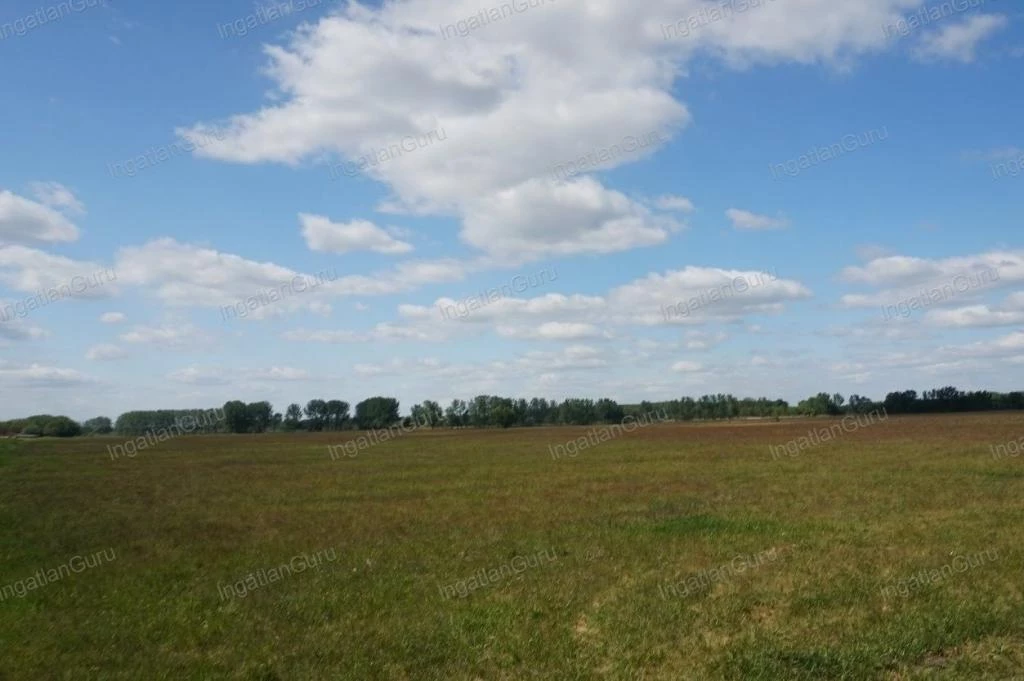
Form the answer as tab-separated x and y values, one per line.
676	552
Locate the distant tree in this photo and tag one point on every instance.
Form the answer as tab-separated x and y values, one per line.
860	405
433	413
503	416
293	417
902	402
316	412
418	414
822	404
13	427
237	416
376	413
100	425
479	413
457	414
609	411
336	414
201	421
61	426
578	412
260	416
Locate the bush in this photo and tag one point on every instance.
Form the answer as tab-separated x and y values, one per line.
61	426
100	425
42	425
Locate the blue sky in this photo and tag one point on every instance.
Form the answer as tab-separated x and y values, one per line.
908	199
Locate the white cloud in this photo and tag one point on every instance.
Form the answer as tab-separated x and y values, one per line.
975	316
57	196
14	329
38	375
113	317
551	331
702	341
687	367
959	41
572	358
176	336
359	235
541	218
363	78
281	374
335	337
185	275
678	204
743	219
195	375
199	376
380	332
1010	313
31	271
901	278
105	352
24	221
699	294
499	109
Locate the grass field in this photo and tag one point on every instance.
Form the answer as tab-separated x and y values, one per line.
676	552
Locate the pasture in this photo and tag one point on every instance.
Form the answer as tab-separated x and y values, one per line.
675	552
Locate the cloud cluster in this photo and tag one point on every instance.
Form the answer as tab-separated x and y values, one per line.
515	99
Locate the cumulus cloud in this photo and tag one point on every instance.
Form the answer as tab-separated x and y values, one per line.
31	271
13	328
976	316
57	196
186	275
699	294
457	126
678	204
941	281
959	41
744	219
39	375
1010	313
173	336
359	235
541	218
692	296
23	221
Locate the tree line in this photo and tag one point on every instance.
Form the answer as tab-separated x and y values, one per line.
491	411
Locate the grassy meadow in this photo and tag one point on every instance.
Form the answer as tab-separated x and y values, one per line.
676	552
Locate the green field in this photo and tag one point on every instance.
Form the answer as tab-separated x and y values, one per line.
675	552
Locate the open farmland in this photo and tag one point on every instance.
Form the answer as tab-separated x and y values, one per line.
673	552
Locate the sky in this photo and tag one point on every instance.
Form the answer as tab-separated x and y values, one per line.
435	199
